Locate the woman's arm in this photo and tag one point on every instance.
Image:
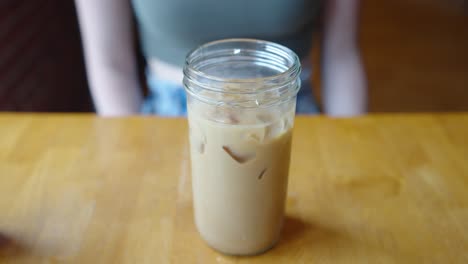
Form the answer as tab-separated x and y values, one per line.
343	77
106	32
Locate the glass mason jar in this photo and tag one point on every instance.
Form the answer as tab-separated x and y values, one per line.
241	105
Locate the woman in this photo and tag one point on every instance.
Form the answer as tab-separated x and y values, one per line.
169	29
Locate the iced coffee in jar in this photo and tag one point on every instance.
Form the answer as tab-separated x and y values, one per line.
241	105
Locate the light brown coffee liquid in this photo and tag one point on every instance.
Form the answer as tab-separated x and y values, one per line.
240	177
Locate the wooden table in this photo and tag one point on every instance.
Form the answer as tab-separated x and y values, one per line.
377	189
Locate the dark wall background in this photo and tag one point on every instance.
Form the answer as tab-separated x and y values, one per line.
415	53
41	64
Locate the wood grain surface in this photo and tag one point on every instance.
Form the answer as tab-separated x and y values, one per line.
376	189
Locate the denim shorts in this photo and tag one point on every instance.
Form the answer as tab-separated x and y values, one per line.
169	99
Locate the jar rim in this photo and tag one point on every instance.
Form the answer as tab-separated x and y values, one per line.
293	70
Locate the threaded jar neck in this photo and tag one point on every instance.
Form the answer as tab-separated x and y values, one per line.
242	73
